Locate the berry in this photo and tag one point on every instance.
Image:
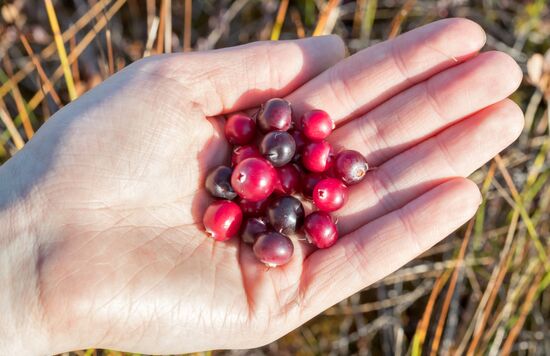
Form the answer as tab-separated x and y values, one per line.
275	114
254	179
273	249
330	194
243	152
317	156
285	214
240	129
320	230
278	147
253	208
299	139
222	220
316	125
218	183
289	181
350	166
308	183
252	228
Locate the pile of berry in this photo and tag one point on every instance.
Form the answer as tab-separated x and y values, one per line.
271	168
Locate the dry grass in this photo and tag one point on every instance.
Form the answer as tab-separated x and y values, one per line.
482	291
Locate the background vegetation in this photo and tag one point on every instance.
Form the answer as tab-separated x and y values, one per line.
481	291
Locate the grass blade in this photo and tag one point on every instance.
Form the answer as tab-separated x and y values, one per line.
62	52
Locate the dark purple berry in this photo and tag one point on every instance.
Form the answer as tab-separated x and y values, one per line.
273	249
285	214
278	147
218	183
275	114
252	228
298	138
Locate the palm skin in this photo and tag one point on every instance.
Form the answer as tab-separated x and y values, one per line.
139	232
116	178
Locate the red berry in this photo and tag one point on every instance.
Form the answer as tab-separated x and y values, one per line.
252	228
222	220
289	181
254	179
316	125
308	183
273	249
330	194
275	114
253	208
317	156
243	152
350	166
240	129
320	230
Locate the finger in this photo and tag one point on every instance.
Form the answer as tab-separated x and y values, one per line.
237	78
430	106
366	79
379	248
456	151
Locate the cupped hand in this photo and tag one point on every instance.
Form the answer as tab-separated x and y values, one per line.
119	258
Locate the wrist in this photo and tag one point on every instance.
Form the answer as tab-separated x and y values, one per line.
21	331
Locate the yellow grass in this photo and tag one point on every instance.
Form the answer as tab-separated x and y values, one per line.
61	49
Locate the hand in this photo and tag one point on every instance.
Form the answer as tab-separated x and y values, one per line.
110	189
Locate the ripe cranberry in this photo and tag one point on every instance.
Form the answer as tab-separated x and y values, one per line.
222	220
330	194
252	228
320	230
317	156
240	129
350	166
278	147
285	214
253	208
243	152
218	183
273	249
275	114
316	125
308	183
289	181
254	179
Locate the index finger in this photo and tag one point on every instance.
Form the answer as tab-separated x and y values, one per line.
360	82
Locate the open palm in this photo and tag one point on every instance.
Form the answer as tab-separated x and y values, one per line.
123	261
